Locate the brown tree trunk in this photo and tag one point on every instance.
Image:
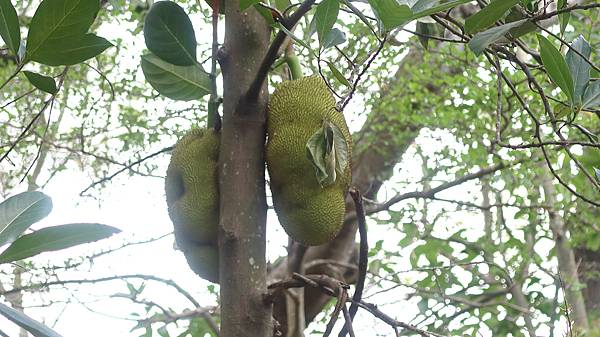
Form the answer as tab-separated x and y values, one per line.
566	257
589	271
242	181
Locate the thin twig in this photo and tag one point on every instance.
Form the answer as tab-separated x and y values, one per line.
127	167
363	260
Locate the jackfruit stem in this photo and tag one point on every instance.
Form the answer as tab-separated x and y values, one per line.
293	63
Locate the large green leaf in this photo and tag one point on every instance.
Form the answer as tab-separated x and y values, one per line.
19	212
9	26
36	328
55	238
556	66
42	82
424	8
325	17
488	15
181	83
390	13
591	99
58	23
482	40
169	34
578	66
72	51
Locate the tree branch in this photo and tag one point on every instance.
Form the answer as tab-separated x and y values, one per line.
273	51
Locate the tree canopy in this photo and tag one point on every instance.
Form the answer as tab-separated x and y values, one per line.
475	167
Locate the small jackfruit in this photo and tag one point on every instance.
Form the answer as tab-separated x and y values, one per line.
192	193
310	212
192	186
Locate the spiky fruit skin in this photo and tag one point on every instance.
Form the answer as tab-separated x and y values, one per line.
204	261
192	193
309	213
192	187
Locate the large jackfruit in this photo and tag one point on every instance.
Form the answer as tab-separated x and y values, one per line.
310	212
192	193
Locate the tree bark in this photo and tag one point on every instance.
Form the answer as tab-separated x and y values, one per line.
589	272
566	257
242	181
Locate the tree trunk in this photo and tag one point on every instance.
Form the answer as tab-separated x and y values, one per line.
566	257
589	271
242	181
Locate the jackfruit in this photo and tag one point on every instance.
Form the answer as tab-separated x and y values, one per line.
310	212
203	260
192	186
192	194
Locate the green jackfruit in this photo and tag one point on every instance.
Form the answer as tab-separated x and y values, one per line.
192	186
192	193
309	212
204	261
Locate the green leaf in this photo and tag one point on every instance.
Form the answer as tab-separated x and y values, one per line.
34	327
488	15
9	26
265	13
338	75
561	110
563	18
245	4
44	83
325	17
163	332
424	31
591	98
19	212
72	51
293	37
424	10
422	5
482	40
169	34
390	13
556	66
578	66
55	238
516	15
181	83
334	38
327	150
281	5
57	23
